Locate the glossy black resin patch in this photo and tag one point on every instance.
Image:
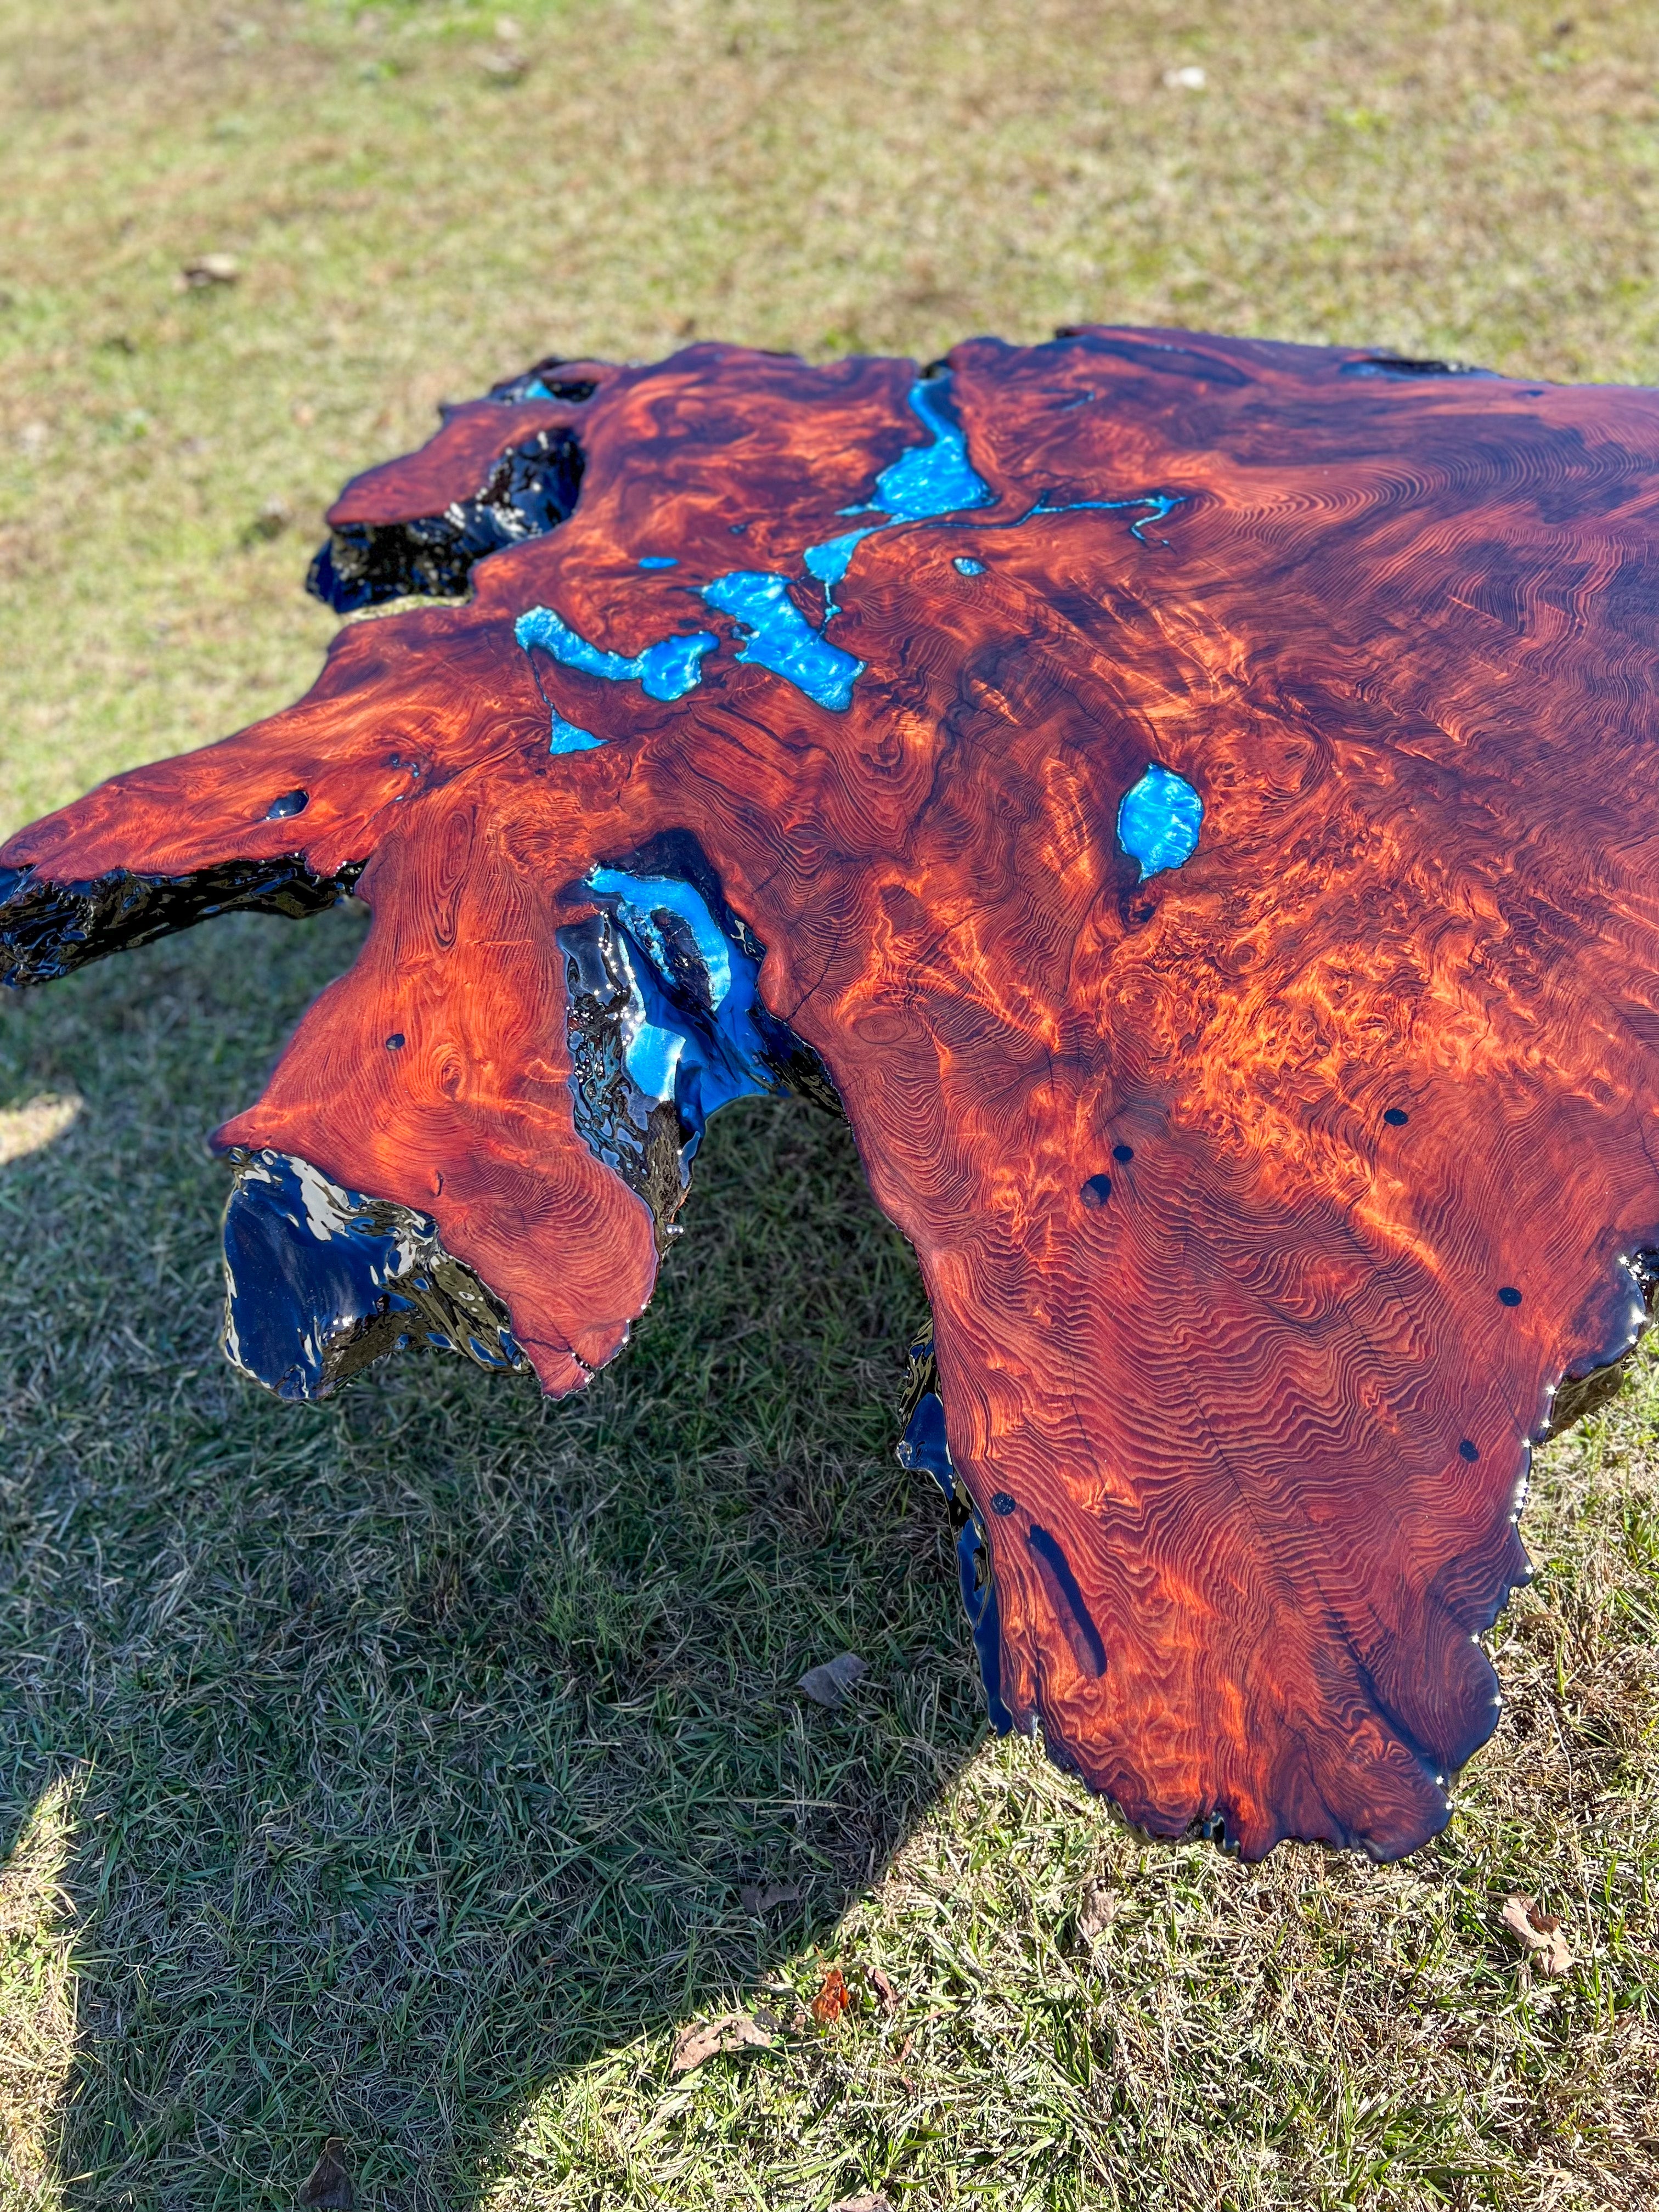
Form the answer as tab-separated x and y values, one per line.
530	491
319	1282
48	929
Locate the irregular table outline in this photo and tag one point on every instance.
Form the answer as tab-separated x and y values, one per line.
1198	832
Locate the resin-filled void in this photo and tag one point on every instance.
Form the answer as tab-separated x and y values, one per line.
1158	822
1188	802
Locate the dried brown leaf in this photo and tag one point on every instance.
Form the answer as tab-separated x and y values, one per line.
883	1986
707	2039
761	1897
1538	1933
328	2187
828	1685
1097	1912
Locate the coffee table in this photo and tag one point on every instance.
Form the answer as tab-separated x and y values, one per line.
1190	802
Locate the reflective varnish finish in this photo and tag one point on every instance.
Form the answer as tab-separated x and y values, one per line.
1191	802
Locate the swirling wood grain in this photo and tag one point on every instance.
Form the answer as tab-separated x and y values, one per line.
1373	1076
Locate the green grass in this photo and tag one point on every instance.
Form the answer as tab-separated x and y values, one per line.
395	1768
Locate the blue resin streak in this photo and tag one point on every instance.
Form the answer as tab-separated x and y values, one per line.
701	1059
658	561
782	638
567	738
667	670
937	478
1158	822
1161	503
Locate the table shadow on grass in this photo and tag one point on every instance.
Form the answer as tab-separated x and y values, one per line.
418	1746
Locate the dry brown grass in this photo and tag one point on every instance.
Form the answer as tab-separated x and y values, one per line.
37	2002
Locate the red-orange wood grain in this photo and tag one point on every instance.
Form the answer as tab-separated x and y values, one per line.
1402	636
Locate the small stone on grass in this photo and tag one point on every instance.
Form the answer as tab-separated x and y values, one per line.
271	521
762	1897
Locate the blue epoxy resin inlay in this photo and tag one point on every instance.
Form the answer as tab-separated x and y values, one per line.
782	639
667	670
1162	503
1157	823
937	478
689	1034
664	1023
641	899
940	479
925	481
828	561
567	738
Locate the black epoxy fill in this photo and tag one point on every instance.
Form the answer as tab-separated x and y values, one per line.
1070	1606
47	930
531	490
924	1446
320	1281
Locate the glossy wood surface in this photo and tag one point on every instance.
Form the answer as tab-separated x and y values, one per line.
1249	1433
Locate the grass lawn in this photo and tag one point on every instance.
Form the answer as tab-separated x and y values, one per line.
396	1769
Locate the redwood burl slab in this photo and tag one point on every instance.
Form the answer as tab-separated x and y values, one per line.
1193	802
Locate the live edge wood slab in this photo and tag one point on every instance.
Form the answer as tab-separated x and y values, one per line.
1192	803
